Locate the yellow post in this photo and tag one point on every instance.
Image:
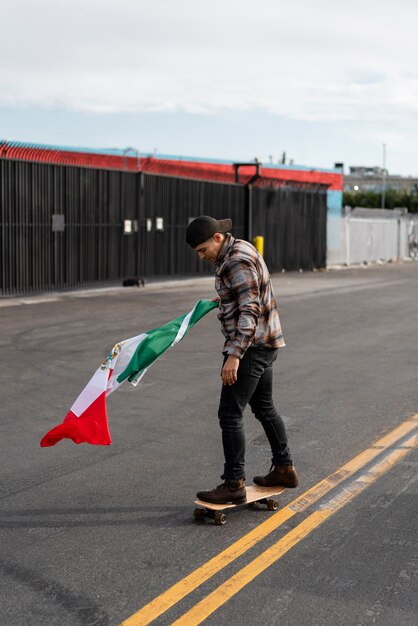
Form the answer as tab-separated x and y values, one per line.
259	244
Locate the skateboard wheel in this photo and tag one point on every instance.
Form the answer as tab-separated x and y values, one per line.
220	518
199	515
272	505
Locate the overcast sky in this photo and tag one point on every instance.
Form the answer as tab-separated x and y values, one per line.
324	81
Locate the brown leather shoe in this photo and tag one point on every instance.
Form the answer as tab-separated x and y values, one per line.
279	476
230	492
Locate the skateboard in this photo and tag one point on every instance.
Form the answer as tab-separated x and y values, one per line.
255	494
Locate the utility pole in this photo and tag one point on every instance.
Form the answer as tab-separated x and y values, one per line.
384	176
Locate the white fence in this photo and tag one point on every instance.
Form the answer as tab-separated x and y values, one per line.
413	237
371	235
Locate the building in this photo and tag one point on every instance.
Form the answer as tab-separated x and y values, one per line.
363	179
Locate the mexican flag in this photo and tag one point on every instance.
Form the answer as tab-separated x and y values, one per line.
86	421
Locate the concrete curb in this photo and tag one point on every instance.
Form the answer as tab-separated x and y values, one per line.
105	291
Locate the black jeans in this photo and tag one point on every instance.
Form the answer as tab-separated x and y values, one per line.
254	386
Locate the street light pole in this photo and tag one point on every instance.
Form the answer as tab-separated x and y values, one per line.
384	176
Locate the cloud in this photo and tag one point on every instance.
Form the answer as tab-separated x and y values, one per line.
307	61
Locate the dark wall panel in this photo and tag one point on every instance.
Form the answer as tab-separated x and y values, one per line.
293	223
93	250
177	200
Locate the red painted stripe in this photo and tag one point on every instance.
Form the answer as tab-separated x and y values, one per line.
218	172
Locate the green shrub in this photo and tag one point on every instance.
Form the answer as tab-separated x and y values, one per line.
373	199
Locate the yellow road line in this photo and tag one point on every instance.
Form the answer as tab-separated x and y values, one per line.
233	585
179	590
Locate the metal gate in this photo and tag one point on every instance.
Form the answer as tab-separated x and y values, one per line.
62	227
169	204
293	223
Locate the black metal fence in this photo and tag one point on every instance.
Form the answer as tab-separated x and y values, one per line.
64	227
41	251
293	223
176	201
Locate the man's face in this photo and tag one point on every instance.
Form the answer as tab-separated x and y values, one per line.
209	250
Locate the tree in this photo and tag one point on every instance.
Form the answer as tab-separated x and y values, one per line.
373	199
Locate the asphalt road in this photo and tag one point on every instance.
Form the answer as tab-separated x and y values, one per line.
90	535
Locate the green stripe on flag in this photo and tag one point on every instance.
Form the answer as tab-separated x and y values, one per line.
160	339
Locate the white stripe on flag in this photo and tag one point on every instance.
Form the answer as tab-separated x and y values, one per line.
184	326
94	388
123	360
139	376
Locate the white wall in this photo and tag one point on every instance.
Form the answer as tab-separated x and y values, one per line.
368	235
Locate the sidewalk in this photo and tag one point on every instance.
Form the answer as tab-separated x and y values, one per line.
286	284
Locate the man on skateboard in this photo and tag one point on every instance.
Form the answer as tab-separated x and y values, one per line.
251	326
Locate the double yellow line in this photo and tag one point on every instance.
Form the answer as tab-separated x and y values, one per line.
210	603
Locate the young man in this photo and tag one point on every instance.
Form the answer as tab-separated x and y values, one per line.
251	326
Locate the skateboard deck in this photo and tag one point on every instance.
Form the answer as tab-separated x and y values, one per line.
255	493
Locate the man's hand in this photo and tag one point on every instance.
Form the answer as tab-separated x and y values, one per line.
230	370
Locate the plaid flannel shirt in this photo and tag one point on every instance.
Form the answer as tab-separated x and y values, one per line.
247	310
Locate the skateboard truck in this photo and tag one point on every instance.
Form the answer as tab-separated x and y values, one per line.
218	517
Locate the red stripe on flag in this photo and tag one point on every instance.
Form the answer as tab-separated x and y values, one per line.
91	427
